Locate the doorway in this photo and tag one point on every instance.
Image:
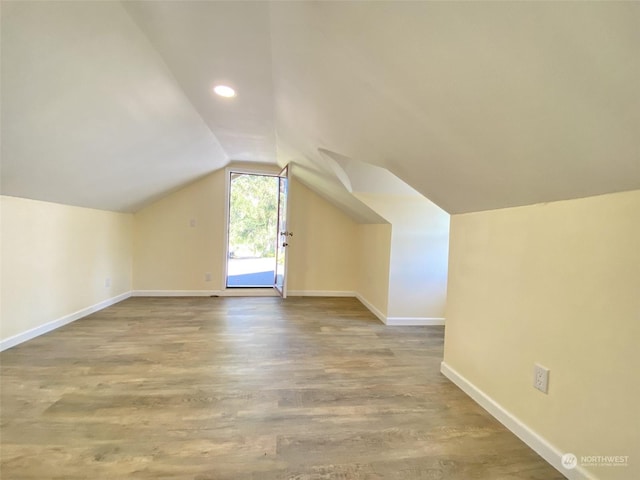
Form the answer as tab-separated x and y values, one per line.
253	230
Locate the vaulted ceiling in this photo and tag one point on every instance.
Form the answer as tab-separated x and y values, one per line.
475	105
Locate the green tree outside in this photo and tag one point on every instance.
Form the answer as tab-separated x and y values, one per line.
253	214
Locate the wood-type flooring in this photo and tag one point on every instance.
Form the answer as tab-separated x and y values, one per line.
245	388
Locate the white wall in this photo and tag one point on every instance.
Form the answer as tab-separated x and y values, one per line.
55	261
557	284
374	252
419	252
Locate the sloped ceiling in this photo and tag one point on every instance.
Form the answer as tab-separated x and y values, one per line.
476	105
209	43
91	115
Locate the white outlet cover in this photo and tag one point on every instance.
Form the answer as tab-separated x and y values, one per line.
541	378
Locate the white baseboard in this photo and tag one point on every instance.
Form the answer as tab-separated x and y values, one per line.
414	321
399	321
540	445
232	292
52	325
270	292
320	293
381	316
174	293
229	292
242	292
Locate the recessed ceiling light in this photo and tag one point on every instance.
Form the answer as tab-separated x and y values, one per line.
224	91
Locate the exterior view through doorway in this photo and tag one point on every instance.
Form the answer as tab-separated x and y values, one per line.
253	230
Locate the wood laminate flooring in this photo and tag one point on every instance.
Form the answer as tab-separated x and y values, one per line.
245	388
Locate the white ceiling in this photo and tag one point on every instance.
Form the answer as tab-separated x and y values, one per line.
91	115
210	43
476	105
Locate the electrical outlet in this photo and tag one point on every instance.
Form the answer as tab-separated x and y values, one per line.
107	282
207	277
541	378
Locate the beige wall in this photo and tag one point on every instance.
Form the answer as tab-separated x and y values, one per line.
169	254
323	251
56	259
557	284
374	250
419	251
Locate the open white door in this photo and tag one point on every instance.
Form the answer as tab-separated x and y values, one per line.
280	280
